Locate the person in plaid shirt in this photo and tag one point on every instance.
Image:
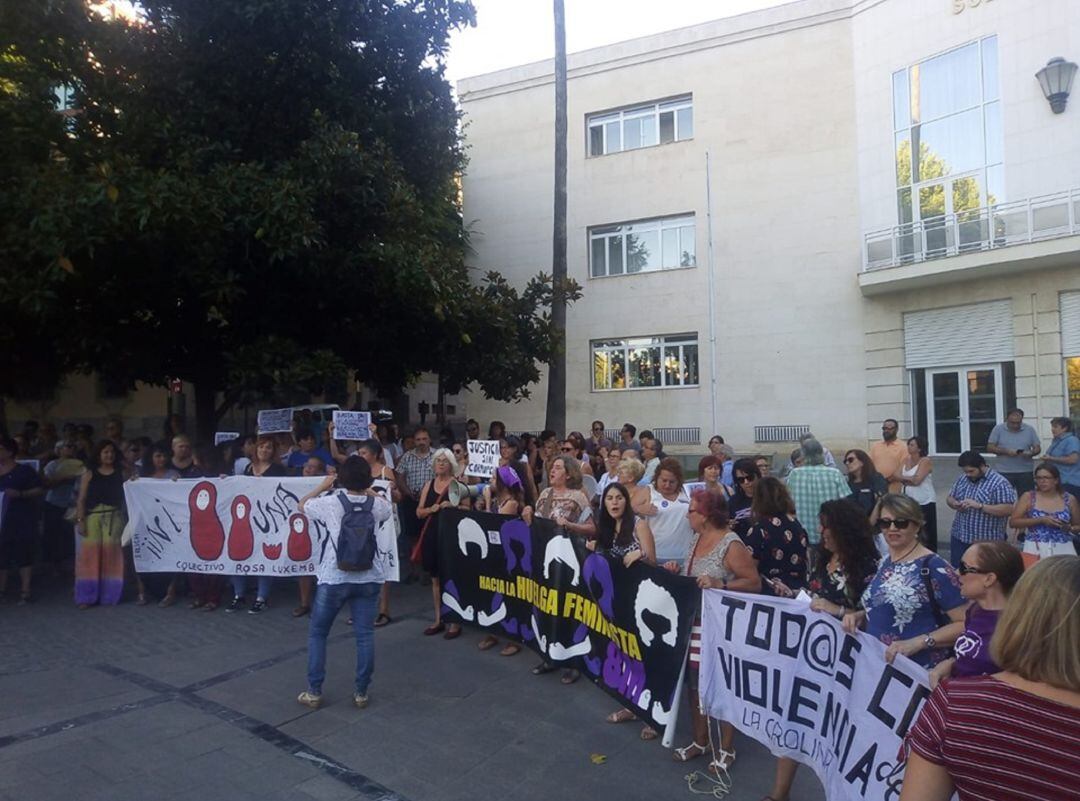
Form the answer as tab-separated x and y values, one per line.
813	484
983	500
413	471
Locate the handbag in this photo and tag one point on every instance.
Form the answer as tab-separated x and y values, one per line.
416	555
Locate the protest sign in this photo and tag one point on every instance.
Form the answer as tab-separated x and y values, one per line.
275	421
483	457
239	525
352	425
225	436
795	682
33	464
627	629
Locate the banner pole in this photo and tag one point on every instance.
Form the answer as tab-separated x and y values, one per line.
676	705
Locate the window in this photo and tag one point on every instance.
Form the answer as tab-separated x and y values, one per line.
948	140
646	362
1072	381
641	126
641	247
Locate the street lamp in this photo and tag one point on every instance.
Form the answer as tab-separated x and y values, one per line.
1056	80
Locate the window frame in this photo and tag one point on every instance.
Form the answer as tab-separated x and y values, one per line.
623	230
651	110
624	346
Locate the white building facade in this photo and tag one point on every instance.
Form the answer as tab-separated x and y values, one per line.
758	250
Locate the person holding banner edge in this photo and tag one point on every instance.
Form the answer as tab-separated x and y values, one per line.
913	604
717	558
509	499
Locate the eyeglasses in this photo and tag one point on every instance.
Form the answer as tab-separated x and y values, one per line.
965	568
744	479
900	524
567	450
850	459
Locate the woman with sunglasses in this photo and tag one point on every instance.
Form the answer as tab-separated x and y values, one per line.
745	475
867	484
988	572
1049	514
913	603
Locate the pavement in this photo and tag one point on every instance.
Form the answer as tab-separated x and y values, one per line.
141	703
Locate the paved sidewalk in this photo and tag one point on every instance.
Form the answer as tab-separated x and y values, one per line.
145	703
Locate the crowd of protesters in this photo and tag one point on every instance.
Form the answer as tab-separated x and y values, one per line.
858	536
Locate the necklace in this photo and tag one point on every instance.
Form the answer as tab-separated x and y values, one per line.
905	556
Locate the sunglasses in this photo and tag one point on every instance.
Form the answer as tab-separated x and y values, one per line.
965	568
850	459
900	524
743	479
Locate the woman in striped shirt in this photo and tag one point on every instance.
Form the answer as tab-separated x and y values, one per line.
1015	735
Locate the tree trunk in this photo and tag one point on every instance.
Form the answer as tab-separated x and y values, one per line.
556	398
206	415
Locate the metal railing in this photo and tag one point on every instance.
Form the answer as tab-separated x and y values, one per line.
986	228
788	433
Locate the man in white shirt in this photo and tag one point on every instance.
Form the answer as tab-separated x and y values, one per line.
360	589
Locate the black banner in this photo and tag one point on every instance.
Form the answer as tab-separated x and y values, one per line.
625	628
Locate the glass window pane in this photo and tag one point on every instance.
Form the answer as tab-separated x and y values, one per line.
686	123
615	255
995	185
601	370
901	100
644	367
596	140
931	201
690	364
642	251
672	366
990	68
951	145
671	248
648	131
903	203
667	127
631	134
687	254
614	139
948	83
994	146
903	158
1072	372
599	247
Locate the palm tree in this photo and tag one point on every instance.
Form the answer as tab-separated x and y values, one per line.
556	399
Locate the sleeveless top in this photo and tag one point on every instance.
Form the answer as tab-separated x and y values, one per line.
712	563
670	527
620	551
1041	533
922	494
105	490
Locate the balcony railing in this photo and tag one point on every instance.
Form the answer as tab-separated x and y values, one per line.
986	228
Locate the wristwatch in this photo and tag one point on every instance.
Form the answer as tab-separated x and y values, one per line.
929	641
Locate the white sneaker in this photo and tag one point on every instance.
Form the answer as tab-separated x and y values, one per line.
360	700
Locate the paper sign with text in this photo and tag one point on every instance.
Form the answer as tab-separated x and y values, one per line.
483	457
352	425
275	421
225	436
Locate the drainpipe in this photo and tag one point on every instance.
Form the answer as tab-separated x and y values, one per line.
1038	387
712	303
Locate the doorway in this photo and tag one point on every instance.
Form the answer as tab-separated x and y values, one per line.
963	405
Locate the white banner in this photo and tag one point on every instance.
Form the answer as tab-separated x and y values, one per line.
274	421
795	682
238	525
352	425
483	457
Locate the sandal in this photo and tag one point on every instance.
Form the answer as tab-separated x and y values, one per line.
723	762
510	649
569	676
542	668
452	633
620	716
490	641
196	604
166	602
140	599
648	733
301	610
434	628
381	620
688	752
210	607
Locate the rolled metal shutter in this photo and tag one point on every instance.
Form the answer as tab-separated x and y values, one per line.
981	333
1070	324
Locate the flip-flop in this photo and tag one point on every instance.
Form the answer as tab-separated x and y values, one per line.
620	716
648	733
381	620
569	676
510	649
452	634
434	628
487	642
542	668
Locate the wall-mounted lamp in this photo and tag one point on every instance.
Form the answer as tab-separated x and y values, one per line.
1056	81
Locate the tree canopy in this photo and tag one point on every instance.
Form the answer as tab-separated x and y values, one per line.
243	186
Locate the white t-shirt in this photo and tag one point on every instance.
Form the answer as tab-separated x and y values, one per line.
329	510
240	465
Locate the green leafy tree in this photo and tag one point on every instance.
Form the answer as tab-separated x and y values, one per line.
251	195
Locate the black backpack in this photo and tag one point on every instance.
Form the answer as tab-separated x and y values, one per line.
356	540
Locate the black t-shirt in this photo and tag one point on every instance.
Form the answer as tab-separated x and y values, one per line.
276	470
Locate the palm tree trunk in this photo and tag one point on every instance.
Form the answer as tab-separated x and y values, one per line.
556	399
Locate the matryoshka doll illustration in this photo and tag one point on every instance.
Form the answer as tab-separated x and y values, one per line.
207	533
299	542
241	538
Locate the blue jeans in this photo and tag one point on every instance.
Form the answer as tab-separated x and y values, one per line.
363	601
261	591
956	550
